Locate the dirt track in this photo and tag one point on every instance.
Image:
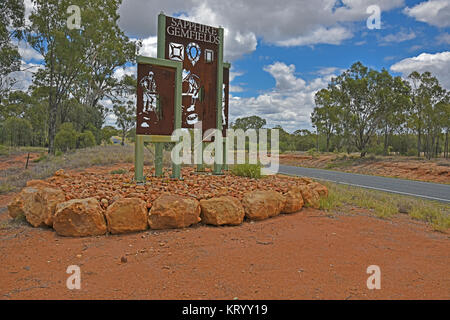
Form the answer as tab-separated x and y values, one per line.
306	255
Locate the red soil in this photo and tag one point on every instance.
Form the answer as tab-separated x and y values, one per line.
18	161
305	255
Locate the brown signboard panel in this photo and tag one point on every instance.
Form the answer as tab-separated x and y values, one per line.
155	100
196	46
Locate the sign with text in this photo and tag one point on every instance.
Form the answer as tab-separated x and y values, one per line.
196	46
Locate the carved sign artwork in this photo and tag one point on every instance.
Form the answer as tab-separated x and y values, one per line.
197	47
155	100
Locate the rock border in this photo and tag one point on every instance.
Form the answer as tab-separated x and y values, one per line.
89	217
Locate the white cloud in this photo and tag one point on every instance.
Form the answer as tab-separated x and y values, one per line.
443	38
290	23
149	47
438	64
321	35
28	53
236	89
24	78
433	12
400	36
120	72
289	104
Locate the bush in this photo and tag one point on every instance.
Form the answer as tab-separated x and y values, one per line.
312	152
247	170
412	152
66	138
86	139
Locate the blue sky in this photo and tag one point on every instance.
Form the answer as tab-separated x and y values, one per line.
282	52
374	48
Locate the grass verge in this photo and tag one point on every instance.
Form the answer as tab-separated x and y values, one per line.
12	179
386	205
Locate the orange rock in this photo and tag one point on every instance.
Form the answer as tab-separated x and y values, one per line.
17	205
310	196
79	218
221	211
37	204
294	200
38	183
320	188
259	205
127	215
173	211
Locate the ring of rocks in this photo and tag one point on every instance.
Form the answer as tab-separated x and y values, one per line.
45	203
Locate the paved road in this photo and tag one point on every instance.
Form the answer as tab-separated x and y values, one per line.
432	191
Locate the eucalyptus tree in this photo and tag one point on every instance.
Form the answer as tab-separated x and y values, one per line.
326	113
11	23
78	62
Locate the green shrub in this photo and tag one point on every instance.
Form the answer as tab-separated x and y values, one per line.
66	138
412	152
312	152
118	171
86	140
247	170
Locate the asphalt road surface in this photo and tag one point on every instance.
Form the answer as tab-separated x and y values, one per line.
432	191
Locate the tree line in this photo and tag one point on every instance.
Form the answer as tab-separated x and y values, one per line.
368	110
63	107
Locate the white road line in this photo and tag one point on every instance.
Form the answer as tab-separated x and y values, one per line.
380	189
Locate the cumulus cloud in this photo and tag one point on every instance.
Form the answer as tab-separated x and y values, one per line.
295	23
28	53
24	78
433	12
289	104
149	47
438	64
120	72
400	36
443	38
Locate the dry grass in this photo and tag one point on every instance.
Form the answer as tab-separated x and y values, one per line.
386	205
12	179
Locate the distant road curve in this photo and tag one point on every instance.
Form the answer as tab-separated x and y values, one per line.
427	190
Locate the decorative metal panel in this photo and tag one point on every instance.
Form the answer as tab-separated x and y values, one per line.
155	100
197	47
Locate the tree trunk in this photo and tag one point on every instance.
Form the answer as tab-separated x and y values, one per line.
418	142
386	140
328	142
52	128
446	145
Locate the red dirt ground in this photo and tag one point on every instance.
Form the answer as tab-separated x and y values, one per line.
306	255
398	167
17	161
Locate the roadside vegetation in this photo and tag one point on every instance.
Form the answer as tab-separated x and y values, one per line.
14	178
384	205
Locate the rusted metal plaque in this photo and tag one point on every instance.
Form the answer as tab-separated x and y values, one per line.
197	47
155	100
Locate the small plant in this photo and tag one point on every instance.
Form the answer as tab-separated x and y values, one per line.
247	170
118	171
312	152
